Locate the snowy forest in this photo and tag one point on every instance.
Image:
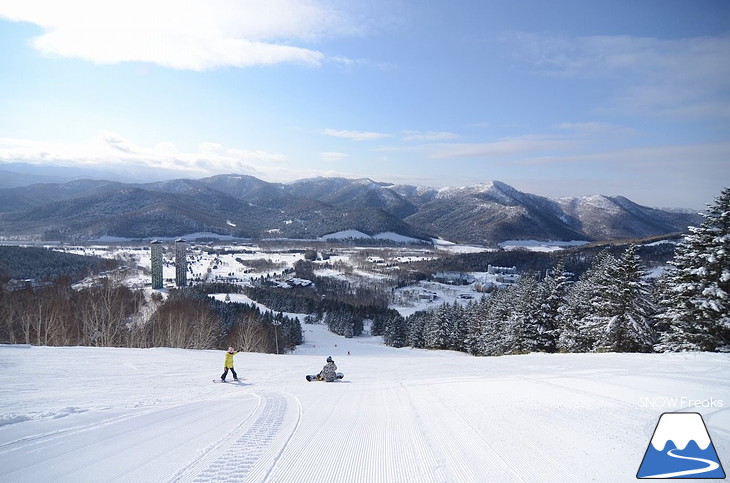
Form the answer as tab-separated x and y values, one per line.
613	306
109	314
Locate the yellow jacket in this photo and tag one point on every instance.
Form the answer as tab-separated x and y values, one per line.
229	359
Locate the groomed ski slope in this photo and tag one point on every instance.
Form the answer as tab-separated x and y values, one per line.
401	415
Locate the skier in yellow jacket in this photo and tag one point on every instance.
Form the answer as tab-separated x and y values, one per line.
229	365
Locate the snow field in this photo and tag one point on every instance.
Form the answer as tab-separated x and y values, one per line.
248	452
400	415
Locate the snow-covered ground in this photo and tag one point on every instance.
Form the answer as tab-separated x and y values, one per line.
540	246
400	415
235	264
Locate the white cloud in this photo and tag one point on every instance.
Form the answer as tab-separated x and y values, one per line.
194	34
355	135
677	77
108	148
410	136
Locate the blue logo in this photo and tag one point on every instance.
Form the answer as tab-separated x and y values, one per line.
680	448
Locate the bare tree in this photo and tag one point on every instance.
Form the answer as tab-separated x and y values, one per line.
52	312
8	318
184	323
24	316
105	308
139	323
250	334
204	328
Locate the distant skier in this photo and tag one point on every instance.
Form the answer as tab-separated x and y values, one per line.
329	371
229	365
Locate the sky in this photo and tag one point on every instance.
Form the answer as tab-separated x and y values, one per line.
561	98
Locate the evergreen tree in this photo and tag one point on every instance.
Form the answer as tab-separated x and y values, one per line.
377	326
522	323
472	327
627	309
696	288
445	328
291	330
553	291
438	328
493	324
415	327
457	327
584	313
395	333
382	319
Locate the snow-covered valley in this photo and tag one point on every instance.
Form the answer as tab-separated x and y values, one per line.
400	415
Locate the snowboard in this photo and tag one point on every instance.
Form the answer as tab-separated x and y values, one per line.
313	377
229	381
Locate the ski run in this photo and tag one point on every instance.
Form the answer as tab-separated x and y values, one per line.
81	414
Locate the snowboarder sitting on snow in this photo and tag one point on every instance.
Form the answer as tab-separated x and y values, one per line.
229	365
329	371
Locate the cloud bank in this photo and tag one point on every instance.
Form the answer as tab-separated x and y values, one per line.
107	149
192	35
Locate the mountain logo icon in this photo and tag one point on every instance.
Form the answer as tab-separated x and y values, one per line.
680	448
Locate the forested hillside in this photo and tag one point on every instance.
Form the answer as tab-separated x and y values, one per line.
42	264
246	207
611	307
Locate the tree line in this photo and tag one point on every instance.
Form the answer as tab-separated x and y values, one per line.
339	304
42	264
109	314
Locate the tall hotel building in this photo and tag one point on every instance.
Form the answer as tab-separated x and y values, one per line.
156	264
181	265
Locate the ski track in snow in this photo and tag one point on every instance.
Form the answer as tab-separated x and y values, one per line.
406	433
249	453
382	443
82	453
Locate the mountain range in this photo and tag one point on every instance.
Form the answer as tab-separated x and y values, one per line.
245	206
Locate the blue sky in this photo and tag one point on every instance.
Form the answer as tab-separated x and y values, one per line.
562	98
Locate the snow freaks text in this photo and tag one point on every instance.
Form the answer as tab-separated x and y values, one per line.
682	402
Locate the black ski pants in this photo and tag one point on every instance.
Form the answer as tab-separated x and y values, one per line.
225	373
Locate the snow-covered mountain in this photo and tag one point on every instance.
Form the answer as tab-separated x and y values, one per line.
245	206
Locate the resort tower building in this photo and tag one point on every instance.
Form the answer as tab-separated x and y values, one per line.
181	265
156	264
